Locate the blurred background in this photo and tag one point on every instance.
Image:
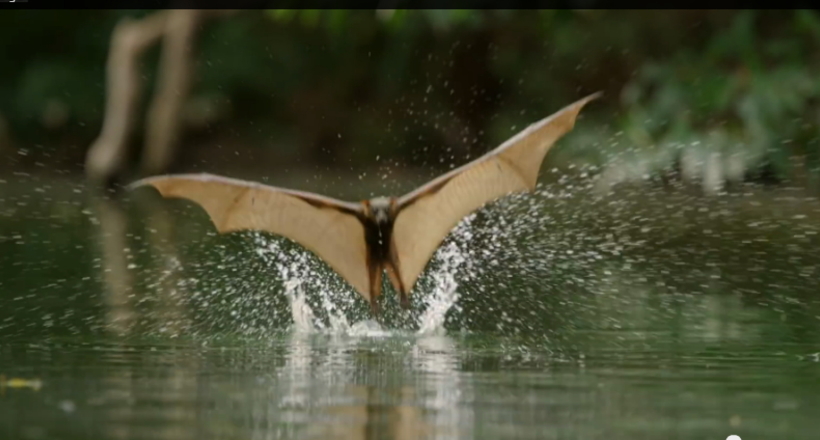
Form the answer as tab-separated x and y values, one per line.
661	283
705	115
706	97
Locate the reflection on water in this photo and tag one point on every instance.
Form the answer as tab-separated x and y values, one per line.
566	314
357	388
400	386
299	386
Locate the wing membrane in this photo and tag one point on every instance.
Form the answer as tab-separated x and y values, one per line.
327	227
429	213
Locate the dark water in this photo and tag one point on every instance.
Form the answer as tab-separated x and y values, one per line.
644	314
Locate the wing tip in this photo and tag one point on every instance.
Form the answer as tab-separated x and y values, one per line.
571	110
593	96
579	104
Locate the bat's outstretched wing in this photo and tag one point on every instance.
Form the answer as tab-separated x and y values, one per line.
429	213
329	228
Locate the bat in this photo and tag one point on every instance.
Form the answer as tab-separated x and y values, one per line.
397	235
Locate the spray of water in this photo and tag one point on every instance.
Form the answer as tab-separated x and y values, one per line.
334	309
444	294
482	247
542	264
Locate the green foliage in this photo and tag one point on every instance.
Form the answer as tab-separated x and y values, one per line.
434	86
758	95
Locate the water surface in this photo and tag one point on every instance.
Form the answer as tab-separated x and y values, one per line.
642	314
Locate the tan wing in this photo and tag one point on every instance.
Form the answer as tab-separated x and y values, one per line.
429	213
327	227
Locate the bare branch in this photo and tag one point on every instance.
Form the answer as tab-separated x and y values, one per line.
130	38
175	72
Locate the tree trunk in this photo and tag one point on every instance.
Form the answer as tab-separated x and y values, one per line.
164	124
108	155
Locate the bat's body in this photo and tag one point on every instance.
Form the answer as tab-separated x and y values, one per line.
397	235
379	215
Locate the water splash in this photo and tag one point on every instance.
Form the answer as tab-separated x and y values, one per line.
474	251
541	264
302	314
297	270
444	295
331	308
